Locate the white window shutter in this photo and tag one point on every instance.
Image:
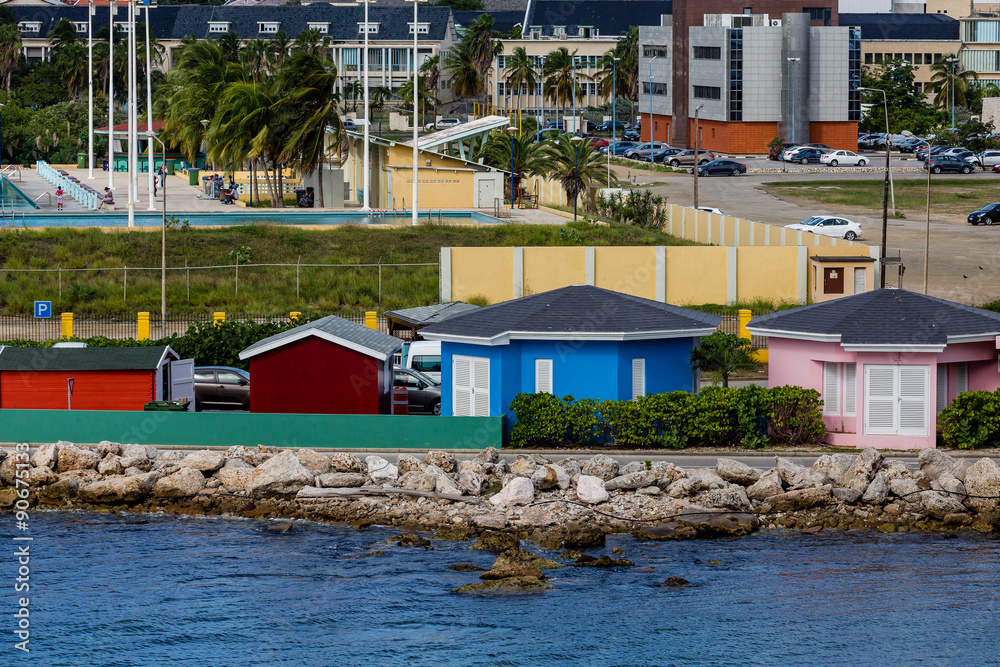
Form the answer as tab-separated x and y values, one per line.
880	400
850	389
543	376
913	391
942	387
480	386
462	386
962	378
831	388
859	280
638	378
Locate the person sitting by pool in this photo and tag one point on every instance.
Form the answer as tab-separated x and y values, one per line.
109	198
229	195
307	199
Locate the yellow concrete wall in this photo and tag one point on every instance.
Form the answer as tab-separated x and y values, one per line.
445	183
837	251
696	227
549	268
767	272
630	270
696	275
482	271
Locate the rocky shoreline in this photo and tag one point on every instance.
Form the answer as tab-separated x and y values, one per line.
565	504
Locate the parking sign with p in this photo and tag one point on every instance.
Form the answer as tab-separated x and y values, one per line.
43	309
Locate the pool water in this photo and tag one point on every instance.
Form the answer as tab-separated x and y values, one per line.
243	217
11	196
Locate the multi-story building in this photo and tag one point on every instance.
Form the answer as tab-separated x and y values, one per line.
754	77
981	47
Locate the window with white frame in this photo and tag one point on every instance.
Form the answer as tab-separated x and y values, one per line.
372	28
501	62
81	27
638	377
321	28
559	30
543	376
422	28
840	388
218	26
29	26
268	26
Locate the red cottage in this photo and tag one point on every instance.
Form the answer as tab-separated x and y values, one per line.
329	366
104	378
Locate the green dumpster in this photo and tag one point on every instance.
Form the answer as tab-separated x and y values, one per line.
81	160
165	406
193	175
170	167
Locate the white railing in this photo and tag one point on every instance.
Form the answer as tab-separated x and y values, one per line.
89	200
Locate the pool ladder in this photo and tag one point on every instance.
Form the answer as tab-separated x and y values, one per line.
13	214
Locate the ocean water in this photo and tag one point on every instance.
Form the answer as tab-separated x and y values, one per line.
124	590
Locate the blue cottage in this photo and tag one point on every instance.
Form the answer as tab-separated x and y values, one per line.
580	340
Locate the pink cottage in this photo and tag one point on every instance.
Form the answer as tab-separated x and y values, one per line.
886	362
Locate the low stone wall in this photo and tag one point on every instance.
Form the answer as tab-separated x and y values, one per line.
569	503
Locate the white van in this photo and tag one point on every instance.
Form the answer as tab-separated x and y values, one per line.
425	356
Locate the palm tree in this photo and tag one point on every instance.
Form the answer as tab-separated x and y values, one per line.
63	34
518	154
723	354
10	51
72	63
561	78
428	100
941	82
627	52
279	45
575	163
254	57
241	130
430	70
377	96
521	72
312	42
484	47
229	42
353	89
460	63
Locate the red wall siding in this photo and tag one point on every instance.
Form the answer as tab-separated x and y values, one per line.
92	390
315	376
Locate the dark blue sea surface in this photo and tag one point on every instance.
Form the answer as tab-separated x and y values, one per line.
155	590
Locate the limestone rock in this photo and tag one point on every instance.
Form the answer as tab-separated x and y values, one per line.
590	490
550	475
649	491
768	485
315	462
111	465
634	466
140	463
137	451
64	488
849	496
736	472
488	455
280	475
634	480
906	490
669	473
799	499
474	466
570	465
204	461
797	477
46	456
960	468
252	457
861	473
72	457
983	479
520	491
952	485
733	497
938	504
416	480
40	476
184	482
833	466
895	469
380	471
523	466
105	447
707	478
341	480
445	484
344	462
472	482
602	466
683	487
934	462
407	463
235	478
7	471
132	471
237	464
117	489
497	542
877	490
442	460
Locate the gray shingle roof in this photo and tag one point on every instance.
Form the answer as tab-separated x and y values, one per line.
173	22
883	317
425	315
377	342
80	359
580	310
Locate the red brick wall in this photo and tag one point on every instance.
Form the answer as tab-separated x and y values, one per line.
661	128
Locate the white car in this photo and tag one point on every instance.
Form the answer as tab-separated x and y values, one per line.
443	123
989	158
835	158
710	209
829	225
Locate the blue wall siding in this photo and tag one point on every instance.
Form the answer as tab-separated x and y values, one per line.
496	355
667	367
582	369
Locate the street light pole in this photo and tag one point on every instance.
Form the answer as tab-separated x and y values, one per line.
163	238
793	61
416	115
885	189
365	202
927	228
90	89
576	139
513	130
111	96
614	112
149	120
952	61
697	145
650	101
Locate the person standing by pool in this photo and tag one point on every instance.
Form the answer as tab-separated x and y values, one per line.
59	199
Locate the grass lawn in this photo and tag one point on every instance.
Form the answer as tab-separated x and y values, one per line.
911	194
264	289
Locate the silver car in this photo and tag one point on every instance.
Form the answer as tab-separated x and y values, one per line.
645	149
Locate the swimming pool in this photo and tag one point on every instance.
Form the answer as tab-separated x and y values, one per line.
242	217
12	197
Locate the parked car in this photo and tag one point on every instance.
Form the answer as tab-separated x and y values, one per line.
989	158
987	215
710	209
221	388
996	169
969	157
913	146
802	155
631	135
774	153
665	154
644	149
545	135
619	147
686	157
836	158
552	125
870	140
596	142
424	394
939	163
349	125
443	123
425	356
822	147
727	167
828	225
933	150
607	126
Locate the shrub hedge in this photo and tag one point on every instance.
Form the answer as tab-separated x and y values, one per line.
750	416
971	420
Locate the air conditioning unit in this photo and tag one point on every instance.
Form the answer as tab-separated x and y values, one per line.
776	23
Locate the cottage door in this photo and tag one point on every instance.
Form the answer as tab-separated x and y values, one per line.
896	400
471	386
833	280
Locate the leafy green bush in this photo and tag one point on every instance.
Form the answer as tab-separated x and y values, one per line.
971	420
543	419
795	415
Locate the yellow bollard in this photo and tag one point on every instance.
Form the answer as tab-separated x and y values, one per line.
67	326
294	316
218	318
745	315
371	319
143	333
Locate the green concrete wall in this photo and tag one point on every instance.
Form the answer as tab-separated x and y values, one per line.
208	429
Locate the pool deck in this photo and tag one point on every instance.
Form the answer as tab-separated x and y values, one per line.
185	198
